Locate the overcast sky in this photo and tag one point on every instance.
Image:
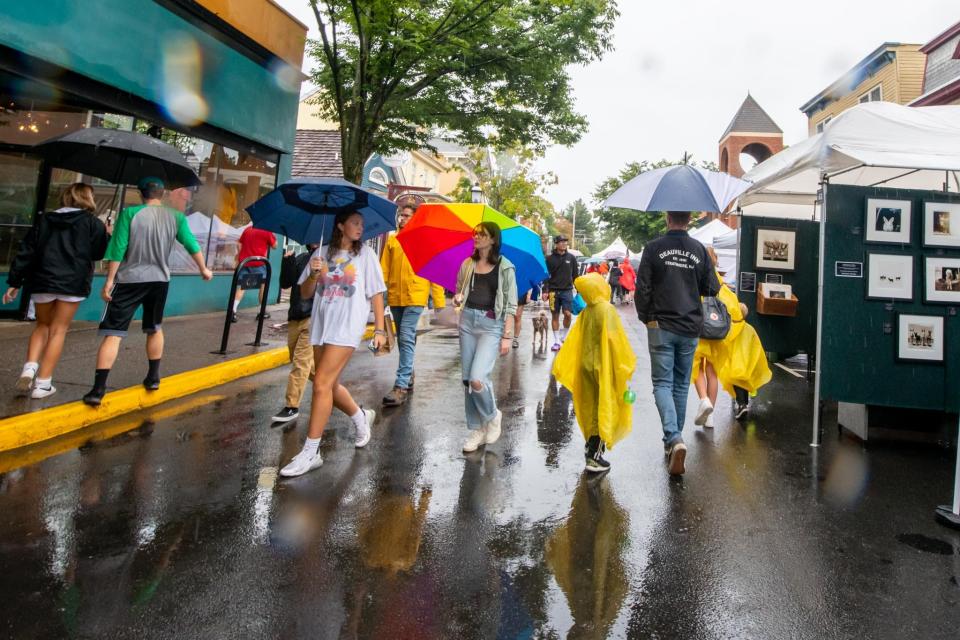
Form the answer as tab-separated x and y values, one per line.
681	68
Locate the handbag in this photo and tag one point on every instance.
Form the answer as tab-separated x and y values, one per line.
391	337
716	319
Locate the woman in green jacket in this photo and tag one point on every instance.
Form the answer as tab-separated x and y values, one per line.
487	288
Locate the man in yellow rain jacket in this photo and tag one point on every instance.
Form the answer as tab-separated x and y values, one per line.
407	296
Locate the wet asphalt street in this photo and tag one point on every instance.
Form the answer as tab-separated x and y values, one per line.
180	527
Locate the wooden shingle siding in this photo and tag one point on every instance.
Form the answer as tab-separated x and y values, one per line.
942	67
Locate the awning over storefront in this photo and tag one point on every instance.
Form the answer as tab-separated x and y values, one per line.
873	144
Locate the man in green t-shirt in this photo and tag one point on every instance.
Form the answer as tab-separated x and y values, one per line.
138	274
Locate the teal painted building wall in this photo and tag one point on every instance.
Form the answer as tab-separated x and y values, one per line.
124	44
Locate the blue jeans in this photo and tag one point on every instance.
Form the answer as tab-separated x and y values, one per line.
406	319
479	350
671	361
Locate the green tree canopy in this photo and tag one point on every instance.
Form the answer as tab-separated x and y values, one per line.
635	227
511	186
393	72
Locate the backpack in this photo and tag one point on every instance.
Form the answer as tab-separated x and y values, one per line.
716	319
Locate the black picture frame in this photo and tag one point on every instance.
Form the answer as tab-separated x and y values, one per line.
868	280
921	317
763	264
926	280
903	235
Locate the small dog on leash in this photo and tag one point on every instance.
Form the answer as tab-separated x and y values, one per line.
540	330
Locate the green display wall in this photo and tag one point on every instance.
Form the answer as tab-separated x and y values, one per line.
859	356
784	336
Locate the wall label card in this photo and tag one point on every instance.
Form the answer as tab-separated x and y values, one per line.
773	278
848	269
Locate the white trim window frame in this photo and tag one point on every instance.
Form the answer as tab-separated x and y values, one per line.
822	124
873	95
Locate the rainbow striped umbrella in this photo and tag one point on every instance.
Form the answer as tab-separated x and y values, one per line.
439	238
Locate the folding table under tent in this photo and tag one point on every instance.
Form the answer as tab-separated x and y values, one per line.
876	145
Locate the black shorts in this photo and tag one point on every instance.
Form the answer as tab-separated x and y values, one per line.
127	297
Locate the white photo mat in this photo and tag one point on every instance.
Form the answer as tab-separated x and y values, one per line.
776	249
920	338
889	276
941	224
941	280
887	221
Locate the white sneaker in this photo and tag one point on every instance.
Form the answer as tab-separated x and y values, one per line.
302	463
476	438
363	433
703	412
492	428
25	381
708	423
42	392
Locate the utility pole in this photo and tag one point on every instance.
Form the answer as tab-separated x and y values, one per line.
573	233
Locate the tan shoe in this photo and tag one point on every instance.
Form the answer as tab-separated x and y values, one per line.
678	454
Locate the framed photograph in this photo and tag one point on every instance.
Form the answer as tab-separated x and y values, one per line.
776	249
889	277
941	280
920	338
941	224
887	221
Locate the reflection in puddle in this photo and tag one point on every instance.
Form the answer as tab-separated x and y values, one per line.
586	554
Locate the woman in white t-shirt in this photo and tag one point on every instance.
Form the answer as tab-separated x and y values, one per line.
344	278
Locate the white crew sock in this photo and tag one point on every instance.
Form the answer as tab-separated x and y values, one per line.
563	334
43	383
556	338
359	418
30	368
236	304
312	445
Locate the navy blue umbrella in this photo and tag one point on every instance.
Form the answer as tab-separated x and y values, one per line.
303	209
678	188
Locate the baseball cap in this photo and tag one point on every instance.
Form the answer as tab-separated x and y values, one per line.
150	182
560	238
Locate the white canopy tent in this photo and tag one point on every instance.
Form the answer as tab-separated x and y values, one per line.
723	239
872	144
616	251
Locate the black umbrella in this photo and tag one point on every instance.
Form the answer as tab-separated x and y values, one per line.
121	157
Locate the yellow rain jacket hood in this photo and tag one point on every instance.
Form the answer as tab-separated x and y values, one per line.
595	364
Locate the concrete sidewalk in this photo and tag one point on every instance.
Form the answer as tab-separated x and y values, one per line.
187	363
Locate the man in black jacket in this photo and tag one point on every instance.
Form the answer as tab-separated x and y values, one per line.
563	268
675	271
298	333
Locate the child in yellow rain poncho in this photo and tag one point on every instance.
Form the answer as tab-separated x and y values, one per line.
738	362
595	364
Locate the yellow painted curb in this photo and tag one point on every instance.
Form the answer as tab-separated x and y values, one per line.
30	428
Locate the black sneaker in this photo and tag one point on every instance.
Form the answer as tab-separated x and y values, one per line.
286	414
233	317
263	316
94	397
742	411
151	384
597	464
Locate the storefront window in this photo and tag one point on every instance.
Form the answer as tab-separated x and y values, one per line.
230	180
18	201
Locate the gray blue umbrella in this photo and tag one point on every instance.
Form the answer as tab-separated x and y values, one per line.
304	209
678	188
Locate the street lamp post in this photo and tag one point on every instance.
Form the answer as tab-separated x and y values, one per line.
476	194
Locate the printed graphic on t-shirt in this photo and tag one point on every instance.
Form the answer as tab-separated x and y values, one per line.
340	280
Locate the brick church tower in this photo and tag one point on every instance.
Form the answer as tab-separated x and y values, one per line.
752	132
